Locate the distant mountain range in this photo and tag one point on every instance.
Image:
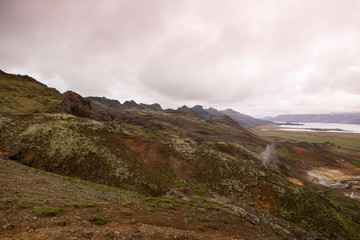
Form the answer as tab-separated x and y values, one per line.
187	165
241	119
350	118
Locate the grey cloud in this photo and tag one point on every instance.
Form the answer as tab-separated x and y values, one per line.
255	56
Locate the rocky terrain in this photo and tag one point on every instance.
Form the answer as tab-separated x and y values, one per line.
93	168
350	118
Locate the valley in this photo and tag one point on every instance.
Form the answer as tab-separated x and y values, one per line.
93	168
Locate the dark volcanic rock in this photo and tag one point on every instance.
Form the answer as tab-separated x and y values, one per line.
76	105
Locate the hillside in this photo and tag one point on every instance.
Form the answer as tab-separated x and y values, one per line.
241	119
350	118
25	94
179	171
41	205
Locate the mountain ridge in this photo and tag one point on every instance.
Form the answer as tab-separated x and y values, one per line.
173	153
350	118
240	118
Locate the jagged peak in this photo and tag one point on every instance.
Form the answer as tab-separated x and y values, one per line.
198	107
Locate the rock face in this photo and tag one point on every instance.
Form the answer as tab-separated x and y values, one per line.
78	106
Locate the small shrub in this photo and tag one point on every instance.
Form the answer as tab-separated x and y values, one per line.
200	191
62	222
128	211
24	206
215	227
153	210
4	207
83	205
204	220
223	220
47	211
99	219
152	203
125	203
169	205
188	220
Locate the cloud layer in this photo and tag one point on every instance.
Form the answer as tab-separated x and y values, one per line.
258	57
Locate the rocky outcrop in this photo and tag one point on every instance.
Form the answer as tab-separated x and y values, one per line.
78	106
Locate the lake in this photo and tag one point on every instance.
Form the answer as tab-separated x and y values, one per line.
322	127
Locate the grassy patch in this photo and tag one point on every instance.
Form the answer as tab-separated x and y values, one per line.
342	139
8	200
224	220
99	219
4	207
83	205
47	211
153	210
128	211
152	202
168	204
344	201
215	227
24	206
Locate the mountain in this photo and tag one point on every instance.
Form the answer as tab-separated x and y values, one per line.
351	118
241	119
150	173
199	110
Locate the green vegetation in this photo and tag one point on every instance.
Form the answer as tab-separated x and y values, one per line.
4	207
83	205
344	201
47	211
215	227
153	210
201	161
24	206
223	220
99	219
168	204
341	139
26	96
128	211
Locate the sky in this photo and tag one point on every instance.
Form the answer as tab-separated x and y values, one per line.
258	57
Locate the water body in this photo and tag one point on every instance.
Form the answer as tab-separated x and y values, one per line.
322	127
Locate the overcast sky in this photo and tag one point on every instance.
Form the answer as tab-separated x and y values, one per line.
258	57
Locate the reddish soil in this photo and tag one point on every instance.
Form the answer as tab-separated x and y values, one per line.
23	188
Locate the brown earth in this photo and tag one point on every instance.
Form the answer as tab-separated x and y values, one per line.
178	163
23	188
